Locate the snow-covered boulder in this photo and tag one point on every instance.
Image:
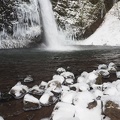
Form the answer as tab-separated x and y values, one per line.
47	99
60	70
59	78
31	103
35	90
18	91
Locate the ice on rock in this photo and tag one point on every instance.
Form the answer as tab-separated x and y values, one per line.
31	103
59	78
47	99
60	70
68	75
35	90
1	118
68	96
18	91
102	66
54	86
63	110
28	79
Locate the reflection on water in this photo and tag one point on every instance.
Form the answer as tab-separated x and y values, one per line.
15	64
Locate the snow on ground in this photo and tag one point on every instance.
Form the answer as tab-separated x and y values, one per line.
109	32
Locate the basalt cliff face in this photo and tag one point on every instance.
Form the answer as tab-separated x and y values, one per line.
20	20
80	18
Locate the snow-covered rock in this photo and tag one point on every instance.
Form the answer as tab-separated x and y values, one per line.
43	85
31	103
68	96
36	90
19	90
59	78
60	70
28	79
63	110
54	86
47	99
68	75
102	66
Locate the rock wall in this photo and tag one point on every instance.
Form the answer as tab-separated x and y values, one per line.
80	18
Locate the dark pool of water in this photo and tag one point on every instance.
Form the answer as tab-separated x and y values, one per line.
15	64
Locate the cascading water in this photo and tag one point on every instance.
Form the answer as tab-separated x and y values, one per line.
51	34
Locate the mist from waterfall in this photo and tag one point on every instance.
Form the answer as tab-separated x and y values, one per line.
52	36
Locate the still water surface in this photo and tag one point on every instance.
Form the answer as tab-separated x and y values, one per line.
15	64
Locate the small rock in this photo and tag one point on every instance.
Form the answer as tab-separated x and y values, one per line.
102	66
28	79
91	105
43	85
35	90
47	99
60	70
18	91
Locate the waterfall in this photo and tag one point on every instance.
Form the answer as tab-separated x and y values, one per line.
51	34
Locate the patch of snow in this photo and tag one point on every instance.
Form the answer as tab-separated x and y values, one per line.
109	32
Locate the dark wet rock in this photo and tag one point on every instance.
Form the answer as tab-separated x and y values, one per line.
111	104
91	105
31	103
4	97
99	80
28	79
112	110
